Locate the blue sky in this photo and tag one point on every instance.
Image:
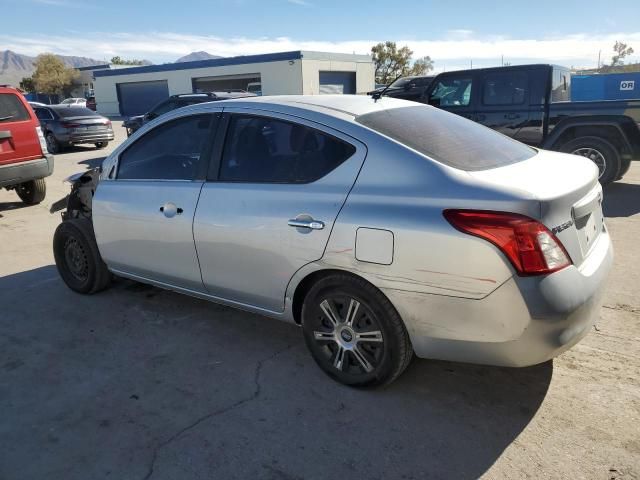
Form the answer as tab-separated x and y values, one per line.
453	33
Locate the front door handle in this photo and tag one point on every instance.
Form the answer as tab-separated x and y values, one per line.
312	224
170	210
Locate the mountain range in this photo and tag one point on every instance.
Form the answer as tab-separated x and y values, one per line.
193	56
15	66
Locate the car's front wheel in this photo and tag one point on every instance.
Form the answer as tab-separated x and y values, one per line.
33	191
100	145
353	332
77	257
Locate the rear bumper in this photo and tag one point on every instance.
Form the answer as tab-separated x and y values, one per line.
87	137
16	173
526	321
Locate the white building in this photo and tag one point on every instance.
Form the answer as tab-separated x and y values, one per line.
132	91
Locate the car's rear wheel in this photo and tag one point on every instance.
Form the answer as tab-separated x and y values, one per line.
599	151
77	257
100	145
53	146
33	191
353	332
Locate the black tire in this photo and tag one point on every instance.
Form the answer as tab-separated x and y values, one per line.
101	145
33	191
626	164
373	349
77	257
53	145
601	152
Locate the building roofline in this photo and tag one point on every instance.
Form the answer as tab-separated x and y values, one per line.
239	60
93	67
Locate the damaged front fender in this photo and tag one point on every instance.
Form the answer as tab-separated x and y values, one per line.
78	204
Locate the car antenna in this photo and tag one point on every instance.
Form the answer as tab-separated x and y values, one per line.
377	95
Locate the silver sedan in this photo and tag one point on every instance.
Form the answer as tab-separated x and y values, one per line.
383	228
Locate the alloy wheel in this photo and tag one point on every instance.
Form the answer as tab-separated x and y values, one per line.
349	335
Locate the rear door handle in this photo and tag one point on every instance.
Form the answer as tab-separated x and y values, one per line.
312	224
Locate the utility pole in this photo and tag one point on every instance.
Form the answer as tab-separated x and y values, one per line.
599	52
471	61
502	60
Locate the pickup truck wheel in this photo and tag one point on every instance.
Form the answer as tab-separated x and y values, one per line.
599	151
33	191
77	257
354	333
100	145
626	164
53	146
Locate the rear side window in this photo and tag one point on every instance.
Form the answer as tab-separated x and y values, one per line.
505	88
447	138
12	109
171	151
269	150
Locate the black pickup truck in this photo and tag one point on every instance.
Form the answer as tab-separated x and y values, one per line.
531	103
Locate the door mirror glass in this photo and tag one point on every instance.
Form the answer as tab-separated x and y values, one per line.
150	116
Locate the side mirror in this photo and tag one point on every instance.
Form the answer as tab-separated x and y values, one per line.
150	116
434	101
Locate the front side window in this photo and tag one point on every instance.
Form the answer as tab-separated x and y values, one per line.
164	108
268	150
452	92
171	151
12	109
505	88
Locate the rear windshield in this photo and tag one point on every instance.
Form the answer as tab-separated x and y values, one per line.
12	109
447	138
76	112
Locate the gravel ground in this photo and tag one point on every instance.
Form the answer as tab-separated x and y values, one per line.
139	383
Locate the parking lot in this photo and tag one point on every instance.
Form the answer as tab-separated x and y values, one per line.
137	383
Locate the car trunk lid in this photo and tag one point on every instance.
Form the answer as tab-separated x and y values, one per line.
568	192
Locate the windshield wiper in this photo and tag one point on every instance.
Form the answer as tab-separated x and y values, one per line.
377	95
2	119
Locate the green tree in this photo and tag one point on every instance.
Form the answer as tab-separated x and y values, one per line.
27	84
123	61
390	61
52	76
422	66
621	50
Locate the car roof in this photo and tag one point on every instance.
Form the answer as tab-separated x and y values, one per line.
333	105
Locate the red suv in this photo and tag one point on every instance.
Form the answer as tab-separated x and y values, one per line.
23	159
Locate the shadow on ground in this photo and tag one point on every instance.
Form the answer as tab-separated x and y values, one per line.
5	206
621	199
138	382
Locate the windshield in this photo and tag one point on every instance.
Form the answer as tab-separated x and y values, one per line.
401	82
447	138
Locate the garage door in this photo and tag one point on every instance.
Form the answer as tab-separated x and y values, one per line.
137	98
337	82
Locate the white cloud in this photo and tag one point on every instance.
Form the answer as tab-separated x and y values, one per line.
455	50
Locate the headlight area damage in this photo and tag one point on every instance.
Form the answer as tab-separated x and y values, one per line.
78	202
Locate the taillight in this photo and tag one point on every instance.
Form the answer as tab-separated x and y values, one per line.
530	247
69	125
